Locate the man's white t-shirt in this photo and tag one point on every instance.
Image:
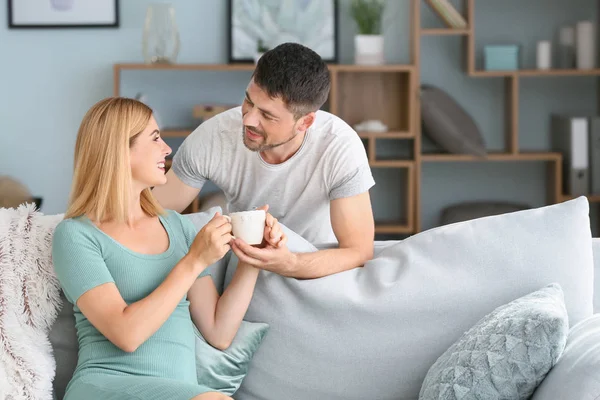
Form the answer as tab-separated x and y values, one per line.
330	164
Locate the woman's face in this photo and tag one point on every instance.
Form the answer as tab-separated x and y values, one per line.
147	155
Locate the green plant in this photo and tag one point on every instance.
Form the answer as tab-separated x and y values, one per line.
367	14
261	48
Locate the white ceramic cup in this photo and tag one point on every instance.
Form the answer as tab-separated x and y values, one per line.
248	225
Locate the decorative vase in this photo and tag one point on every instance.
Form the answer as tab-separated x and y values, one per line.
586	45
368	49
544	54
161	34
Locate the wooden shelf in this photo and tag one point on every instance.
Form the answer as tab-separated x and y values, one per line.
392	164
535	73
175	133
386	135
372	68
491	157
445	32
251	66
391	228
592	198
194	67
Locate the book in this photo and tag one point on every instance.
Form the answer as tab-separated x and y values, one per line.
446	11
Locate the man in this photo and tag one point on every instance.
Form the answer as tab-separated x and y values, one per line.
279	149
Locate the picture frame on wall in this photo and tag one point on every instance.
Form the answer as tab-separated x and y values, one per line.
258	25
63	14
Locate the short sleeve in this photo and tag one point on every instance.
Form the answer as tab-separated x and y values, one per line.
77	260
190	232
198	155
350	173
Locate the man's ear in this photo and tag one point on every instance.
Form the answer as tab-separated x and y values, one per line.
306	121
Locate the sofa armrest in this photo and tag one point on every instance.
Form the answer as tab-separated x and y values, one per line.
576	374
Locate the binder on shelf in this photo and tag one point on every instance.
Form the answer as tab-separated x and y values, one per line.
594	145
570	136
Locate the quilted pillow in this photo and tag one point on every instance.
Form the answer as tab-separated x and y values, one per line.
507	354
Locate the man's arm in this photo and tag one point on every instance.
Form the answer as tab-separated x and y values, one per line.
175	195
354	228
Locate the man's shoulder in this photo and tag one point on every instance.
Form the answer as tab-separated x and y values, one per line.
333	131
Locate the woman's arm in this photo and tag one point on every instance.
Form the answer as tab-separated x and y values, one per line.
219	317
128	326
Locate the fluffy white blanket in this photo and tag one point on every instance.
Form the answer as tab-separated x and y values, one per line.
29	303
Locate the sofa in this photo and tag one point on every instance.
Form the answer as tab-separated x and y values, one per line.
424	311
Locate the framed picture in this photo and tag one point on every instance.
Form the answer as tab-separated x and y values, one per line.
259	25
63	13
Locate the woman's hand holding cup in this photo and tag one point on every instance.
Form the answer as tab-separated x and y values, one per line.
212	242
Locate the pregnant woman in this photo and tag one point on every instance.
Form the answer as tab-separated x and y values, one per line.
136	274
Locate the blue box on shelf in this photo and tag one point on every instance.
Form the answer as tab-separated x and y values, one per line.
501	57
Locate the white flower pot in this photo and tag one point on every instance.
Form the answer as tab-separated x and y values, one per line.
368	49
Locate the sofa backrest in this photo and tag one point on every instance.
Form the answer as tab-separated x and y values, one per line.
596	249
374	332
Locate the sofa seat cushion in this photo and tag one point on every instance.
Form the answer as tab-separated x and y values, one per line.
577	373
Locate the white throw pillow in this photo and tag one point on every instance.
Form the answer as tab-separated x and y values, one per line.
29	305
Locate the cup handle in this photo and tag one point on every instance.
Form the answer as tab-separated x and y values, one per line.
228	218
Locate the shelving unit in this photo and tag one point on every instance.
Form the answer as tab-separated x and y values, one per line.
390	93
512	151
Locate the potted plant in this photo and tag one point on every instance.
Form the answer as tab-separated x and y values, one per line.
368	42
260	50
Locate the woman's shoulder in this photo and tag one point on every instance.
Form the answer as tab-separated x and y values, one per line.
71	228
73	233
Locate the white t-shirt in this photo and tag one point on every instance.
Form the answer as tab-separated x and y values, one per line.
330	164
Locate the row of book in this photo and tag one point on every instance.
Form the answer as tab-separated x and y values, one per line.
578	139
448	13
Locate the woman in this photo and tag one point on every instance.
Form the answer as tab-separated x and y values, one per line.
136	274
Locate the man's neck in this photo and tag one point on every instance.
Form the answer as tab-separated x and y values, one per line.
281	154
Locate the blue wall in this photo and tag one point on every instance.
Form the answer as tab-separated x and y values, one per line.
51	77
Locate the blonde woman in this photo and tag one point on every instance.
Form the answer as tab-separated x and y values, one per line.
137	274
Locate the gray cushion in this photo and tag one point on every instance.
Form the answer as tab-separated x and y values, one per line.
577	373
505	355
63	338
472	210
374	332
448	124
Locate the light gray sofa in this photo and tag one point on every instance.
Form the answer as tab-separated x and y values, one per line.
374	332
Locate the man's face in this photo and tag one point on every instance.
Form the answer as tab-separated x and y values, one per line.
267	122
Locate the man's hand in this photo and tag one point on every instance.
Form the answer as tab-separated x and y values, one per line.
276	259
273	254
273	234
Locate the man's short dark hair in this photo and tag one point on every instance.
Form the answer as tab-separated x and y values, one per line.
295	73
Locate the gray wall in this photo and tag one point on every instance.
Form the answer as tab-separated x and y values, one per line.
49	78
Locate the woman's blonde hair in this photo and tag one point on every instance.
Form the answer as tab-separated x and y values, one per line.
102	180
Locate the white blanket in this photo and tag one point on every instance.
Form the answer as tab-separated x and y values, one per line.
29	303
